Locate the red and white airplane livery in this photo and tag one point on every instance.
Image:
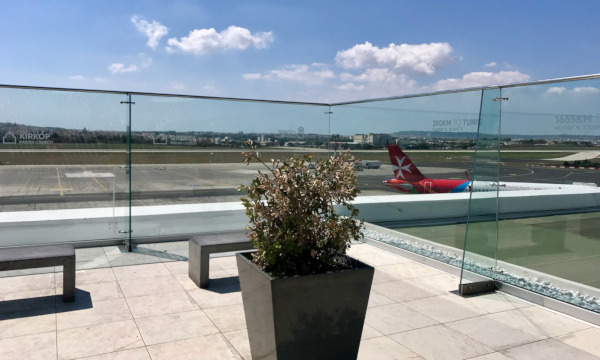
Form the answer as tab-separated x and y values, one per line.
408	179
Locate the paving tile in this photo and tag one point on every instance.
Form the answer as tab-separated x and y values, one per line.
391	319
586	340
369	333
160	304
149	286
384	348
445	308
27	323
26	283
23	272
206	348
102	291
226	277
224	262
233	272
131	258
178	267
499	330
27	300
227	318
173	327
492	356
162	254
496	302
34	347
404	290
102	312
92	263
176	255
140	271
549	349
239	340
381	277
216	297
166	246
98	339
377	299
90	276
89	258
185	282
381	258
409	270
549	322
445	283
132	354
361	249
114	250
447	343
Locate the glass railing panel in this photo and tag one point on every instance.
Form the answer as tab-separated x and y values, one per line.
59	175
481	236
549	241
187	162
437	133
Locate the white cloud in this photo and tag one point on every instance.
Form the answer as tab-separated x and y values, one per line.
118	68
586	90
154	30
422	59
253	76
491	64
202	41
76	77
145	61
476	79
178	86
350	87
314	74
560	90
210	88
370	75
556	90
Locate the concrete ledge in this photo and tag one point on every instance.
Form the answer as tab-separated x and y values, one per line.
28	257
202	246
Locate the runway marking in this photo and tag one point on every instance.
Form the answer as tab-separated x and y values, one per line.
88	174
98	182
59	184
93	175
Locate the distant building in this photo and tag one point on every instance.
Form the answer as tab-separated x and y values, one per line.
376	140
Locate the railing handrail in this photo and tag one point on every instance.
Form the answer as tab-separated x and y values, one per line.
480	88
442	92
118	92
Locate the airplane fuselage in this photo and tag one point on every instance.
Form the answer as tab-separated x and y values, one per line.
436	186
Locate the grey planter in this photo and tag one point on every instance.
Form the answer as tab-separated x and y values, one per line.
305	317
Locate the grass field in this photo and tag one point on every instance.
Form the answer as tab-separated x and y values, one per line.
96	154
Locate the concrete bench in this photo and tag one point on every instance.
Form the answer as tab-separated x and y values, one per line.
28	257
202	246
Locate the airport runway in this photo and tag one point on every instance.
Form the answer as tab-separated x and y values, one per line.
59	187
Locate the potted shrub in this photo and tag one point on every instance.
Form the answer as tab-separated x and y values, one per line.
304	298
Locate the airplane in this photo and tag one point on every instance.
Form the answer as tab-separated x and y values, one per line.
408	179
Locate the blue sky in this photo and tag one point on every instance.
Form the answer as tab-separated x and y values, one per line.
321	51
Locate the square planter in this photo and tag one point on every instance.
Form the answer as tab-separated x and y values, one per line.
317	316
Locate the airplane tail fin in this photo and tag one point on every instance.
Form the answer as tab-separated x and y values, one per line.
404	168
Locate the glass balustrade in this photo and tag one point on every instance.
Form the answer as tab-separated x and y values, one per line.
61	159
517	203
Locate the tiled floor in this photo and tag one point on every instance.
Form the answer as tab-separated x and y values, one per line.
152	310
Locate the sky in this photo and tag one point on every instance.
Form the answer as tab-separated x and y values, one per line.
313	51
